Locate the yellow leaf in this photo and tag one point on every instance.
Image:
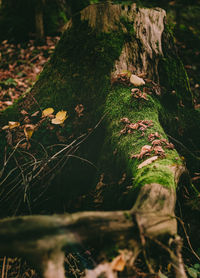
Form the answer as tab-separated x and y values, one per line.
56	121
61	116
13	124
28	131
118	263
47	112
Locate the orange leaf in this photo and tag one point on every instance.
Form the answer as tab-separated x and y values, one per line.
118	263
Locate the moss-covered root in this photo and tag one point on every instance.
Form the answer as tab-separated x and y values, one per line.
142	150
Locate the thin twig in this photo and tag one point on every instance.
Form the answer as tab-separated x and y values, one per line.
184	147
187	237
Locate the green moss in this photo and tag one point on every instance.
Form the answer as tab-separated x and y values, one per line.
77	75
128	216
9	114
155	173
174	78
119	104
80	74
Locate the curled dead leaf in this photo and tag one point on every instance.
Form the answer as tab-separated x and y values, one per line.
118	263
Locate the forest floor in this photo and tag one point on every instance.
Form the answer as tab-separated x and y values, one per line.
20	66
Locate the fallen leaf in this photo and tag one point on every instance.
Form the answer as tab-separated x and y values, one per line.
23	112
28	131
147	161
35	114
47	112
8	103
137	81
61	116
118	263
13	124
79	110
5	127
9	137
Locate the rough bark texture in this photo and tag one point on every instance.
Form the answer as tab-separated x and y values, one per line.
101	44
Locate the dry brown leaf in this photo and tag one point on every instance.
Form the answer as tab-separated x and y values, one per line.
35	114
147	161
79	110
9	138
24	112
118	263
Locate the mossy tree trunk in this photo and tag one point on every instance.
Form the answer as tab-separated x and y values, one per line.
94	160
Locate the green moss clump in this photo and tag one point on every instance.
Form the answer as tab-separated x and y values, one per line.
126	145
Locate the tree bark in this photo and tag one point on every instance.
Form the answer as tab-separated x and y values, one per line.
39	24
91	76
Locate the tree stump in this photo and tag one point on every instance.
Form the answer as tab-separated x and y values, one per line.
117	74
